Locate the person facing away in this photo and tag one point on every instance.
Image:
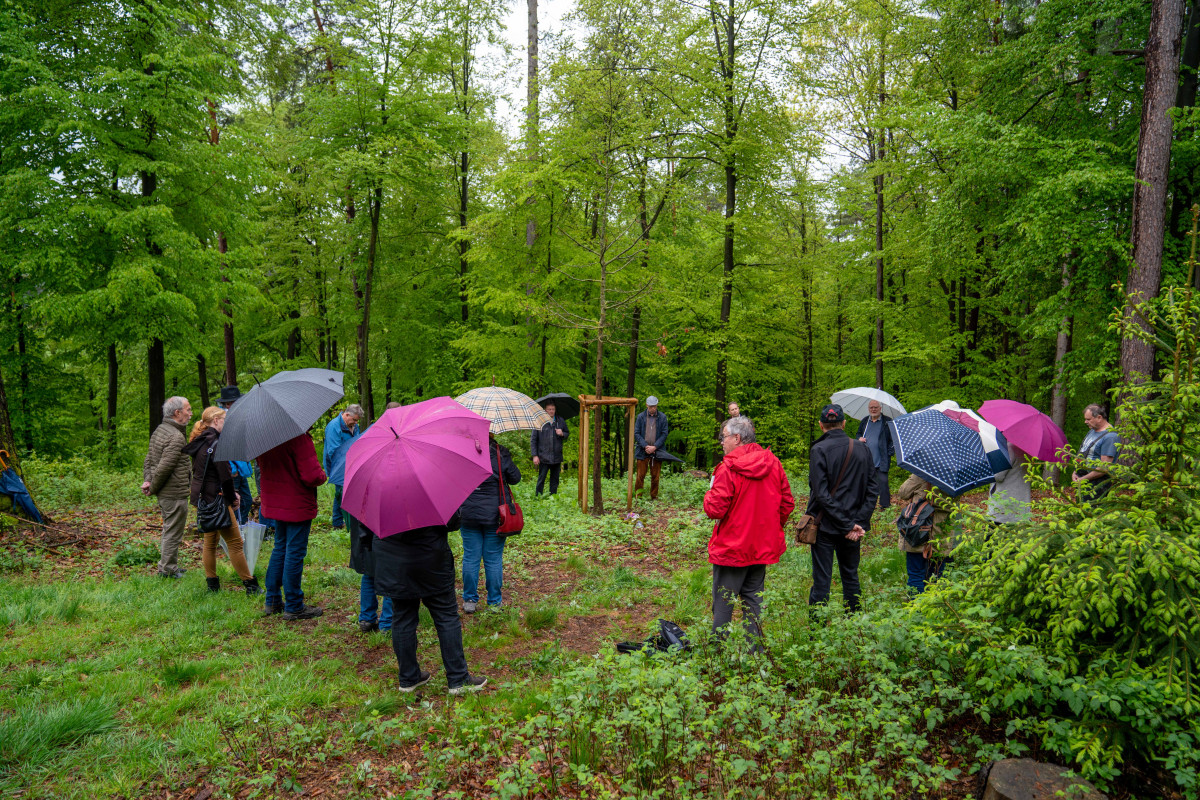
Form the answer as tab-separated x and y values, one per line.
750	499
340	433
843	507
480	517
1099	445
290	475
876	434
167	476
650	435
241	470
1009	497
415	567
211	477
547	448
925	562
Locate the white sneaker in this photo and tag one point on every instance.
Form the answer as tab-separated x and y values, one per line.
474	684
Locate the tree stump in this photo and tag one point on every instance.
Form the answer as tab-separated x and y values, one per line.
1026	779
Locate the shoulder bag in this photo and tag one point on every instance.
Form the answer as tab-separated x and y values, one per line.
215	515
512	521
808	525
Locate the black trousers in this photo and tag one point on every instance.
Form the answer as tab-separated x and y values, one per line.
553	470
885	491
730	583
847	553
444	610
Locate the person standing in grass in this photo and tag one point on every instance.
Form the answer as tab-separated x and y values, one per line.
547	448
340	433
210	478
925	562
480	514
291	474
241	470
166	475
750	498
650	435
876	434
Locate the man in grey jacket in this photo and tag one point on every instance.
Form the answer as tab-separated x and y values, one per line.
547	448
167	475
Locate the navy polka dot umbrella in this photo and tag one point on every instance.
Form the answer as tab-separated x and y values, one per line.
952	456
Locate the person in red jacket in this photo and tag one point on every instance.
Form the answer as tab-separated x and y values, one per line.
750	499
291	474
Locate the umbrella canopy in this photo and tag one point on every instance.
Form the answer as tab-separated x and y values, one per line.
1027	428
507	409
12	485
854	402
565	405
416	465
942	450
277	410
995	446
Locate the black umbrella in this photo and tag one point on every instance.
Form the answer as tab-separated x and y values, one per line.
276	410
663	455
565	406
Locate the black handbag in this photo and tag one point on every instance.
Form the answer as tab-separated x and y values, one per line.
215	515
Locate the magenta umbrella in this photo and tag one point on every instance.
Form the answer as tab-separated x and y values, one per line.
415	465
1027	428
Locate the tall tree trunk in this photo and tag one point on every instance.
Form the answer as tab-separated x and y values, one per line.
1151	174
156	373
463	174
23	383
214	138
374	207
202	379
881	155
8	442
532	117
112	402
634	333
728	65
1182	195
1062	346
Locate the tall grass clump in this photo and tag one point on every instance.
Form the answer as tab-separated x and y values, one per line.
34	733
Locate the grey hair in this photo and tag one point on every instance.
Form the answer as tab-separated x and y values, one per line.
742	426
1098	411
355	409
173	406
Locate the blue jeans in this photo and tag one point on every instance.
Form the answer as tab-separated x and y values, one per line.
287	565
241	485
482	544
336	518
922	571
368	604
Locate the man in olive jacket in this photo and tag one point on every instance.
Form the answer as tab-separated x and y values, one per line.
167	475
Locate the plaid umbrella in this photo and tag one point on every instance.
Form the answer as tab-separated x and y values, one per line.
277	410
506	409
944	451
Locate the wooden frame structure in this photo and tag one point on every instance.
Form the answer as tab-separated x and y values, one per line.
587	402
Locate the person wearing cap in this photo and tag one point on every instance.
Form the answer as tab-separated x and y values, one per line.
240	470
547	448
842	494
650	435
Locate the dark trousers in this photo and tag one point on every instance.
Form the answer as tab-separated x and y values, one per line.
444	610
242	485
885	491
655	469
553	471
847	553
734	582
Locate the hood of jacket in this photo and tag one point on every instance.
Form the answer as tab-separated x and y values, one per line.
197	446
751	460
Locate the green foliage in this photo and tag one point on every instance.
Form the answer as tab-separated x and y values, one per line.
136	554
35	732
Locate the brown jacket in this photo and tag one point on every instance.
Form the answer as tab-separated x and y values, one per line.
169	473
943	506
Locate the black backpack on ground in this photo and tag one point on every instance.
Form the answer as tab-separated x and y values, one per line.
669	636
916	523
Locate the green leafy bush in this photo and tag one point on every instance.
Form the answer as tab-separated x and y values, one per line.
133	554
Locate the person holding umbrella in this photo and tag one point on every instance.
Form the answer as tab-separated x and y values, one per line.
479	519
874	432
547	448
650	434
340	433
240	470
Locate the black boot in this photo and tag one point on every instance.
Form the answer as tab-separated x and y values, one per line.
252	586
214	584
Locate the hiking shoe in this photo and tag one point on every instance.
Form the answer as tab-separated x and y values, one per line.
412	687
214	584
307	612
367	627
470	607
172	573
271	611
252	586
474	684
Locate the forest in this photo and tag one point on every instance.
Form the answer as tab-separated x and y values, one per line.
753	200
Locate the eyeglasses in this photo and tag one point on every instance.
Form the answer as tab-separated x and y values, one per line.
725	436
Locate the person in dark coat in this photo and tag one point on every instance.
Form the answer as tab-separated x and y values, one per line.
480	515
650	435
241	469
291	474
546	446
372	614
876	434
210	477
412	568
845	513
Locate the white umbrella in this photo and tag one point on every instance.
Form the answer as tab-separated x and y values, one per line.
854	402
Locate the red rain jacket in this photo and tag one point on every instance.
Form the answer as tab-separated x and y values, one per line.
291	474
750	498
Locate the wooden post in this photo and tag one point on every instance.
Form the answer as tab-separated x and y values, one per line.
630	413
584	427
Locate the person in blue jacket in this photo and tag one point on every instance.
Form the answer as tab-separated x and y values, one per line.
650	435
340	433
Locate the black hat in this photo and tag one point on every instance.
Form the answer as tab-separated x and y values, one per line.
229	394
832	414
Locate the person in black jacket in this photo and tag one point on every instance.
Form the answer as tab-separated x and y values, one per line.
480	516
412	568
845	512
546	446
211	477
876	434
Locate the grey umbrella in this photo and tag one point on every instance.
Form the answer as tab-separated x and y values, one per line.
276	410
565	405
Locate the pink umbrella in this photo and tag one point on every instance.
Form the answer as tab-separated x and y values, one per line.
416	465
1027	428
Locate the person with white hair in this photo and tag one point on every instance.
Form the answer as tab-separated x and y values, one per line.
650	434
167	476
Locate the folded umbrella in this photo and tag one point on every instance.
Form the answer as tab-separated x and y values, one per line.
277	410
506	409
1027	428
565	405
12	485
416	465
943	451
663	455
855	401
